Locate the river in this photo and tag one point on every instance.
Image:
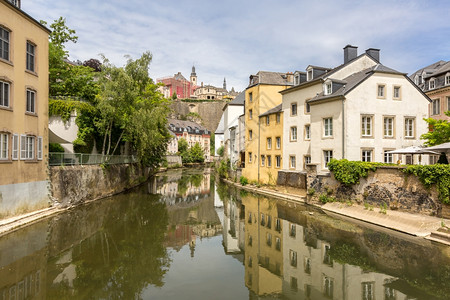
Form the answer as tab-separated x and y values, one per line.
184	235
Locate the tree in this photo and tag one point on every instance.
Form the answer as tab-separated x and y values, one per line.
197	154
94	64
182	145
439	131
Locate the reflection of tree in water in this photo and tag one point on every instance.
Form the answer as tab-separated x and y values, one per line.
125	256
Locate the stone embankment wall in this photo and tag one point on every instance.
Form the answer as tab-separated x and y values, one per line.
174	160
292	179
209	111
388	185
73	185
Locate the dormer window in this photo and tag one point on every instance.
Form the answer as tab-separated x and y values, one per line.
328	88
416	79
297	79
309	74
447	79
432	84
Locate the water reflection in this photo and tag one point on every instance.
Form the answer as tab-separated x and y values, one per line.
167	240
300	253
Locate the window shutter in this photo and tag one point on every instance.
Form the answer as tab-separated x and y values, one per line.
23	146
15	146
39	148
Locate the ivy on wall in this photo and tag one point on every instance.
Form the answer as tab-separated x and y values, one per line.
438	174
349	172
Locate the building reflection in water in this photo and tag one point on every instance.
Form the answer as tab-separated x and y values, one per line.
286	252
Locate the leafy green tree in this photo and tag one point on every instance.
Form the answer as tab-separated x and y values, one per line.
221	151
439	133
197	154
182	145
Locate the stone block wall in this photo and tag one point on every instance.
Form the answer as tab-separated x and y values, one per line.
73	185
173	160
387	185
292	179
209	111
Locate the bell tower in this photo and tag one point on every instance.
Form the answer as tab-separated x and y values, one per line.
193	78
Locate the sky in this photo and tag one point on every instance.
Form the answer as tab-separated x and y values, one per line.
233	39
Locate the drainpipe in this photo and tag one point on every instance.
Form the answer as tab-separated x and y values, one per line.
259	143
343	128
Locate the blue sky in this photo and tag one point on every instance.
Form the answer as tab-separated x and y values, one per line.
235	39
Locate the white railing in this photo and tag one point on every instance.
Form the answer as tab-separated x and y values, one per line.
71	159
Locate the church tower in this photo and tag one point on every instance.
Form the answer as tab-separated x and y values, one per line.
193	76
224	84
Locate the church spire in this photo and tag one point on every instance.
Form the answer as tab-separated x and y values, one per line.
224	84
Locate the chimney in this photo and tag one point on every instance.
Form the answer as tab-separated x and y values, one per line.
350	52
290	77
374	53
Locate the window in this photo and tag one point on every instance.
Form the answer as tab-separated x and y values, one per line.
381	92
293	258
328	88
4	43
293	109
269	239
366	126
409	127
297	79
307	159
292	231
307	132
431	84
292	161
39	148
250	114
448	103
4	94
307	265
278	142
388	126
277	225
30	56
328	286
366	155
27	147
397	92
263	160
435	106
278	243
367	291
15	147
278	161
293	133
31	101
250	97
307	108
278	118
250	261
309	75
269	143
250	157
294	284
250	135
268	120
328	127
263	220
269	161
4	146
447	79
327	156
388	157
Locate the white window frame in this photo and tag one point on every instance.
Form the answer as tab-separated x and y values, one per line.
263	160
307	132
327	127
307	160
27	147
269	161
4	146
307	107
5	94
381	91
448	102
309	74
367	155
267	120
39	148
366	126
436	106
388	158
278	142
409	127
431	84
447	79
277	161
294	109
397	92
31	57
388	127
328	88
292	162
327	156
31	101
293	134
269	143
5	36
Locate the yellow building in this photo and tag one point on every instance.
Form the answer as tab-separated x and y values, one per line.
23	111
271	144
261	95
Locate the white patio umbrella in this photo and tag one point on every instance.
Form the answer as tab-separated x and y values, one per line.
438	148
413	150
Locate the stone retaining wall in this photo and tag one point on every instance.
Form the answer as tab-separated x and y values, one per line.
387	185
173	160
292	179
73	185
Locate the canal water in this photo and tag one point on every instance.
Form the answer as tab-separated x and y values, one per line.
185	236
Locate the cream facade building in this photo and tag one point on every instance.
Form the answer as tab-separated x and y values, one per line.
23	111
359	111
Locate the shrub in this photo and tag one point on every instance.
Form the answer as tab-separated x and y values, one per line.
311	191
324	198
349	172
243	180
438	174
55	147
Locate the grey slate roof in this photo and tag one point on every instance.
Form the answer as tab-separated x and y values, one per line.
274	110
182	124
265	77
239	100
353	81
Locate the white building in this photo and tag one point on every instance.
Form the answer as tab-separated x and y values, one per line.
231	113
219	135
359	110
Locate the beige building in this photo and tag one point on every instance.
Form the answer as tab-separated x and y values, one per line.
23	110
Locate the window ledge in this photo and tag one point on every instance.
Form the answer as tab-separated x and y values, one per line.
31	161
6	161
6	108
8	62
327	137
31	114
31	72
